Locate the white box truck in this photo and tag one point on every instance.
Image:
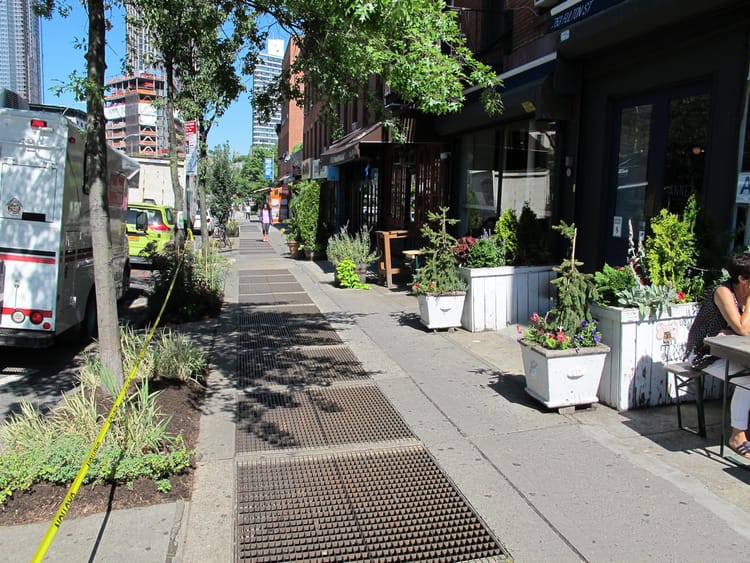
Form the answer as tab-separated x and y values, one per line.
46	254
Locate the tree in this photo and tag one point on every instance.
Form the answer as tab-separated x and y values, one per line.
220	182
96	183
414	46
253	180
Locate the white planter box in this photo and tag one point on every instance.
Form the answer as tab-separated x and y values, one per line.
634	374
562	378
498	297
441	311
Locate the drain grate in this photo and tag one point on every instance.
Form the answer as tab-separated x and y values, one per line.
269	420
386	505
297	366
331	364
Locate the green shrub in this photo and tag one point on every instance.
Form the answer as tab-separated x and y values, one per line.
198	290
532	239
611	281
486	252
175	357
305	211
346	271
506	229
342	246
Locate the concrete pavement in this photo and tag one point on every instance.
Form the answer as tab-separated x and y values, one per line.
595	485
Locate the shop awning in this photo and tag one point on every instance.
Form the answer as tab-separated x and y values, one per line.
348	147
528	93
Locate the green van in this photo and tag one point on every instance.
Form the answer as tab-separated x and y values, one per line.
157	224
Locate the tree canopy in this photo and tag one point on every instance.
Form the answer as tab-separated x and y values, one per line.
414	46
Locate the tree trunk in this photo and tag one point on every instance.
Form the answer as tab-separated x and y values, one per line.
96	184
179	200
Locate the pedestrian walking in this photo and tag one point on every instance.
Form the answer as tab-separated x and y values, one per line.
265	220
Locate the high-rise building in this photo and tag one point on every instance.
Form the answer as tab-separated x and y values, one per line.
140	54
20	50
264	133
135	124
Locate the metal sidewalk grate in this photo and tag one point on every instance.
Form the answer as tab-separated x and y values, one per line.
386	505
270	420
297	366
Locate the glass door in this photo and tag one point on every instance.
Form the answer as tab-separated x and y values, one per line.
660	151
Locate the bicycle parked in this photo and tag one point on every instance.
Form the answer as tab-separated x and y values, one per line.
224	240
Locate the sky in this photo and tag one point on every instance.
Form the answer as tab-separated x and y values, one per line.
60	57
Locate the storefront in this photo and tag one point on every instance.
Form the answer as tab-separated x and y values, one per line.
662	114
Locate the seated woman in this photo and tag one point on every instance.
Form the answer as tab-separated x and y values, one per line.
727	311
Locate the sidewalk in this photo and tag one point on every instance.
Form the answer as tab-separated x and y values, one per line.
595	485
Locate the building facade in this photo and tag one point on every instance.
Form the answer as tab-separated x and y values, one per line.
20	50
268	69
613	111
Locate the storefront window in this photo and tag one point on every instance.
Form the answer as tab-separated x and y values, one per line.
529	167
742	213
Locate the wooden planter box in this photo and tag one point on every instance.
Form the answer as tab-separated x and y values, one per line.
634	374
498	297
563	378
441	311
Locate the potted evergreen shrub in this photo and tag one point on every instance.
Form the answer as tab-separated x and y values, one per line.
306	209
504	274
646	308
439	289
562	352
345	246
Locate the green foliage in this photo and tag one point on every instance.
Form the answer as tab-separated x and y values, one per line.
414	46
506	229
439	275
670	251
532	239
575	289
233	229
304	209
346	271
53	448
198	290
176	357
611	281
220	183
250	178
342	246
650	299
486	252
548	334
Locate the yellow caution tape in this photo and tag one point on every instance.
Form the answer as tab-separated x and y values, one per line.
41	550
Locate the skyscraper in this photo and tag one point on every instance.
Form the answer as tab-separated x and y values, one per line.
20	50
267	70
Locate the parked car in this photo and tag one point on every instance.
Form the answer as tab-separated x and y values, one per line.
210	223
159	228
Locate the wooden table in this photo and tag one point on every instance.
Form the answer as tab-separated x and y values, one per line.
732	348
412	256
385	261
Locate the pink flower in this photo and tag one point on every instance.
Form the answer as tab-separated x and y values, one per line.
535	317
681	296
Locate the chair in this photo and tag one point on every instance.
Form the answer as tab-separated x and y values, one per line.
684	374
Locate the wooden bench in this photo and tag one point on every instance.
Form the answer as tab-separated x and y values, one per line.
684	374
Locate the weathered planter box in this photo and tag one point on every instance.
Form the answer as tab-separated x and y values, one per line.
498	297
634	374
563	378
440	311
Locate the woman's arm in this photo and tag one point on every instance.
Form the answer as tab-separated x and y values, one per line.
725	301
